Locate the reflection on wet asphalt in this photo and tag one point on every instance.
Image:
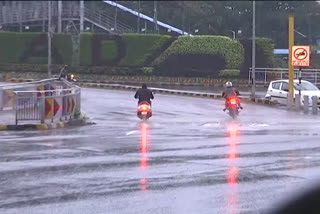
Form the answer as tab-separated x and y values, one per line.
190	157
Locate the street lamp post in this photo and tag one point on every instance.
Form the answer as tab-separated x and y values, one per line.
49	39
253	90
138	25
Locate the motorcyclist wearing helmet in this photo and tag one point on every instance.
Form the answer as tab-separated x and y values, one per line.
230	92
144	94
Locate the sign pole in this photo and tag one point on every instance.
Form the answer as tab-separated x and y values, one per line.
253	89
300	70
49	39
290	67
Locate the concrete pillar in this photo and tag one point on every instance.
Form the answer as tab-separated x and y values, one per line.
81	15
1	97
289	102
314	105
297	102
305	104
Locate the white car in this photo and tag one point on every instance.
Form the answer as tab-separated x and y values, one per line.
278	90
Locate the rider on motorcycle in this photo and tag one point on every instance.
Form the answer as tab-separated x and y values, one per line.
230	92
63	72
144	94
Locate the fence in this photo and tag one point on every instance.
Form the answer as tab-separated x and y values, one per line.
265	75
45	100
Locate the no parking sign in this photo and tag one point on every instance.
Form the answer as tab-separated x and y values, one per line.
300	56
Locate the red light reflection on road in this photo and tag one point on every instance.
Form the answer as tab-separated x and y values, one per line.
143	184
232	140
232	175
232	171
144	133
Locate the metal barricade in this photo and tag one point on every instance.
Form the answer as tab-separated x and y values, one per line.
45	100
265	75
28	106
60	104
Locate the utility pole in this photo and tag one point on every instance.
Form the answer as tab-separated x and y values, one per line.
115	18
155	15
20	15
49	39
138	26
253	90
59	16
182	17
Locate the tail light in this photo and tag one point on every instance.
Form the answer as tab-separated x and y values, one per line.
233	101
144	108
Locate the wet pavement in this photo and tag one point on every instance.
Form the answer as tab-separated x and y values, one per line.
244	91
190	157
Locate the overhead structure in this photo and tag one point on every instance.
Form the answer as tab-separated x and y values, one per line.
141	15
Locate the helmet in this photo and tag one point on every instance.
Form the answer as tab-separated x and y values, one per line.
228	84
144	85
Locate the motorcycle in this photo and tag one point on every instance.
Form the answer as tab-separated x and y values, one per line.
233	107
144	111
71	78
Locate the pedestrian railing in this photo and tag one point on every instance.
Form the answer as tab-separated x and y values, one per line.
46	100
265	75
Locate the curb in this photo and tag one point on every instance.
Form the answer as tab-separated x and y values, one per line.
175	92
19	80
42	126
164	83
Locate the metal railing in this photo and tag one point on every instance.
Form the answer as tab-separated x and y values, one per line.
265	75
31	104
47	105
102	19
30	13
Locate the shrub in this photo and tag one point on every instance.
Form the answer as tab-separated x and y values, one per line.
226	53
86	49
147	70
264	54
141	47
13	45
229	73
63	45
33	48
97	49
109	50
267	46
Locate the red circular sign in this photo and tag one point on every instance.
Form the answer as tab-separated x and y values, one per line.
300	54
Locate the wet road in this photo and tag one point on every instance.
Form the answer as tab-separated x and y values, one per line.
189	158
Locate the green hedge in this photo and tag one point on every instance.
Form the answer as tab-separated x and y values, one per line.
86	49
140	47
229	73
109	50
12	46
21	47
230	49
63	44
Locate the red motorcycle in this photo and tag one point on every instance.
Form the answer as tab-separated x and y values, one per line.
233	107
144	111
